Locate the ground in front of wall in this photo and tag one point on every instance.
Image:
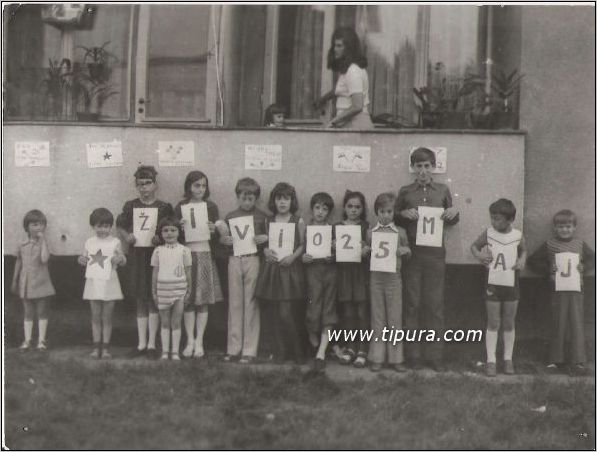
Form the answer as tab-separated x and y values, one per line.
62	399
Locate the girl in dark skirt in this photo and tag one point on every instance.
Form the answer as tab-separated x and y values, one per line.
281	282
353	280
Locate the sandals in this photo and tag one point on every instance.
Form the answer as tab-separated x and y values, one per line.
347	357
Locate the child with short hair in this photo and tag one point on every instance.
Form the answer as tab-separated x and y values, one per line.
171	282
102	293
243	271
567	306
206	289
275	115
281	282
353	282
321	285
140	258
31	279
386	289
490	249
424	273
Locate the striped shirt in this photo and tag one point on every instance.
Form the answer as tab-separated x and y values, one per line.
171	261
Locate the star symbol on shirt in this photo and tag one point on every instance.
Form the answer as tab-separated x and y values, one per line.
107	156
98	258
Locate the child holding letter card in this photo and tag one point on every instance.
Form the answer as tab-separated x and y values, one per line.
567	301
502	249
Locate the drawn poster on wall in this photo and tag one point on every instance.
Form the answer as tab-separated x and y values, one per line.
263	157
176	153
352	159
441	159
32	153
104	155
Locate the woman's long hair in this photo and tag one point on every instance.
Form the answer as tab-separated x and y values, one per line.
352	51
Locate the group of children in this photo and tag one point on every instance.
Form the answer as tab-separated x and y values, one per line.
174	280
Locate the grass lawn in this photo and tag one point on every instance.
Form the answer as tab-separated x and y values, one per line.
72	404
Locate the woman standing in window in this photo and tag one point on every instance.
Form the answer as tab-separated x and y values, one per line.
352	88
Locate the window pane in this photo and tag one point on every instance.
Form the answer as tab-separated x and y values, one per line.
177	61
300	50
67	72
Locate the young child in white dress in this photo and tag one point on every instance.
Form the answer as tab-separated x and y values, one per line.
171	283
102	255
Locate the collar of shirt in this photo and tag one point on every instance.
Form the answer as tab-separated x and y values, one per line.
390	226
430	184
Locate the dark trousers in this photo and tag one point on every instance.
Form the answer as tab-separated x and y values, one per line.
287	332
424	276
568	326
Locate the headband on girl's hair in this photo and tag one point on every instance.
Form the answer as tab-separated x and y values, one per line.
146	172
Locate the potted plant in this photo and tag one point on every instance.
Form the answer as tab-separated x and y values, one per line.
92	85
57	85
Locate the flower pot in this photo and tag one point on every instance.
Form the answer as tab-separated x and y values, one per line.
453	120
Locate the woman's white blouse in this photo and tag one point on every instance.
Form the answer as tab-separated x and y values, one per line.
354	81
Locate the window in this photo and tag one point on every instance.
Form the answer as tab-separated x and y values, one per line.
224	64
67	70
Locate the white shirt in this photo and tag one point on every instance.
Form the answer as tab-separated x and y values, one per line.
354	81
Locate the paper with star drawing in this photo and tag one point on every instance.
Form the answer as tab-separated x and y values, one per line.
99	265
104	155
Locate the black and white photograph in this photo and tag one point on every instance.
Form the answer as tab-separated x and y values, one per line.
298	226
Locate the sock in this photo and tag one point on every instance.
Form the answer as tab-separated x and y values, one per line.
42	325
189	327
491	338
201	324
154	322
165	340
142	332
508	345
28	325
176	341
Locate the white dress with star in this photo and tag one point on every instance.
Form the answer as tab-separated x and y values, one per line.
100	251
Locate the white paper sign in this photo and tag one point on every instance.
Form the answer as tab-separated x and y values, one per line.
242	230
352	159
348	243
383	252
145	220
319	241
263	157
32	153
430	227
500	268
441	159
567	276
99	265
195	222
176	153
281	239
104	155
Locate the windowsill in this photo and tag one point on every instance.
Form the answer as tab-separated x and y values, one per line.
162	125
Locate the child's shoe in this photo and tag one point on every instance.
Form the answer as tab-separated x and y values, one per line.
508	367
25	346
175	357
95	354
400	368
336	352
375	367
152	353
552	368
361	360
319	365
188	351
347	357
41	346
165	356
246	360
490	369
106	354
198	353
578	370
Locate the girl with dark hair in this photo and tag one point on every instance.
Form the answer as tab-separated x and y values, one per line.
352	87
205	289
